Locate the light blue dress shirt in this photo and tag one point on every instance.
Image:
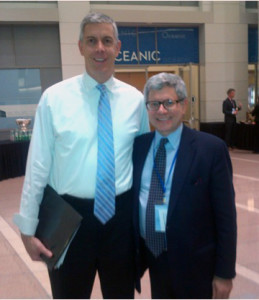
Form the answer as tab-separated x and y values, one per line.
171	148
63	148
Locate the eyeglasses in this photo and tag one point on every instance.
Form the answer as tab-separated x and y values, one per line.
167	104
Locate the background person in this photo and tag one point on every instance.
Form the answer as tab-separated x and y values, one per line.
184	206
64	153
230	110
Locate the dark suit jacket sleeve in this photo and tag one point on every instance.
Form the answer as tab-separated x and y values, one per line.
201	222
223	202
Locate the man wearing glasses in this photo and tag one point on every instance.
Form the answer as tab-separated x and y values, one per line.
184	216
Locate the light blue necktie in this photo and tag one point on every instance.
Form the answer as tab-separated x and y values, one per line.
104	205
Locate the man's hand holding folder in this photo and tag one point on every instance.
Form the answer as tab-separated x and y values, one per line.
35	248
58	224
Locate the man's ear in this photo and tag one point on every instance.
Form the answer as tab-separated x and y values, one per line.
118	46
80	46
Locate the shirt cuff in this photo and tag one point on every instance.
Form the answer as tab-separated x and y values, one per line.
26	225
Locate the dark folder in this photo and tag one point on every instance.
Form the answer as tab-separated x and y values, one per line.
58	222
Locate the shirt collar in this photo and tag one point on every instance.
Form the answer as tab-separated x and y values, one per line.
173	138
91	83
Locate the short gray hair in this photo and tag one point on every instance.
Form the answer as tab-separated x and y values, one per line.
158	81
94	18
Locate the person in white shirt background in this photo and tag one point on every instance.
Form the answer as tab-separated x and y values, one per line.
63	154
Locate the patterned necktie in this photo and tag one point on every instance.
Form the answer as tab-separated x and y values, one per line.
156	241
104	205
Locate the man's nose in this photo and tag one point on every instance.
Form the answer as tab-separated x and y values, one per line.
162	109
99	46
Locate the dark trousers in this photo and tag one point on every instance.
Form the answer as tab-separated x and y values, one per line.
169	282
106	249
230	133
160	277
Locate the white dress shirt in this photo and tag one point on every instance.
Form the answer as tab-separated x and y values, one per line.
63	148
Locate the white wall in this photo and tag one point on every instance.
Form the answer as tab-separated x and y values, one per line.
28	12
224	60
70	15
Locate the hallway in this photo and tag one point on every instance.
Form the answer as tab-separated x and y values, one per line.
22	278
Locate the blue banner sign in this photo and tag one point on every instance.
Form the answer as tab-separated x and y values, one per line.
158	45
252	45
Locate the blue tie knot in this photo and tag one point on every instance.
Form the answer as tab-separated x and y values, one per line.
101	88
163	141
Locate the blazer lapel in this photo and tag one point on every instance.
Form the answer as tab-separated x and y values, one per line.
142	152
182	166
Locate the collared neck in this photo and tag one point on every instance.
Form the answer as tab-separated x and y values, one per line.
173	138
91	83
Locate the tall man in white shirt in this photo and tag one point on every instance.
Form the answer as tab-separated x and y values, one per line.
63	154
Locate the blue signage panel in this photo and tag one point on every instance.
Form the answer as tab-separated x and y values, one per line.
158	45
178	45
128	53
252	45
147	45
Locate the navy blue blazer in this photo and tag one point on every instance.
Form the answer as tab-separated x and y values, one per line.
201	221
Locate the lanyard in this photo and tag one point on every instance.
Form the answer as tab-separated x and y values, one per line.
164	183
